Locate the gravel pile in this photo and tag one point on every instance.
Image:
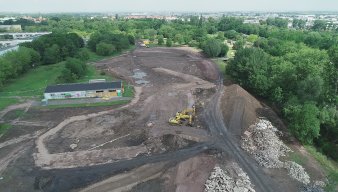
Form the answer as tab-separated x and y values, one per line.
262	142
297	172
219	181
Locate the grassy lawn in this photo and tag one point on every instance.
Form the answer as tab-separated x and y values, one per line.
110	103
92	73
330	167
4	128
5	102
221	65
296	157
128	90
34	82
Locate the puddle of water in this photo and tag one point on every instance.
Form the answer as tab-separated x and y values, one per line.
172	94
139	75
141	82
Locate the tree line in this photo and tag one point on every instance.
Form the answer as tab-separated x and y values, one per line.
295	69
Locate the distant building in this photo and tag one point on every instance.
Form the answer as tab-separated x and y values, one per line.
10	27
167	18
84	90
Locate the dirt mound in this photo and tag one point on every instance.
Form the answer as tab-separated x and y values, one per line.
239	109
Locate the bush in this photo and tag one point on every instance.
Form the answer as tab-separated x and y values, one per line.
105	49
83	54
169	42
74	69
160	40
224	50
212	47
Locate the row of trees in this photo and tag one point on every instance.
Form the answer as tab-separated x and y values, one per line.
74	70
302	81
56	47
15	63
295	69
106	43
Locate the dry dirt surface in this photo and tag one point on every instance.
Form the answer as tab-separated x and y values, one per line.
133	147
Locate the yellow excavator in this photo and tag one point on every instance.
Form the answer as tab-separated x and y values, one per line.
184	117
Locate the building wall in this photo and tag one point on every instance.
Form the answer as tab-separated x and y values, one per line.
84	94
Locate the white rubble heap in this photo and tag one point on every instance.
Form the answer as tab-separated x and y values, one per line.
262	142
297	171
219	181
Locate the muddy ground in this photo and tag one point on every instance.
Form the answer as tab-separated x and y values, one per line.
132	147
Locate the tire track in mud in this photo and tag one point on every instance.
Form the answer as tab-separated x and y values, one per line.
75	178
43	158
225	142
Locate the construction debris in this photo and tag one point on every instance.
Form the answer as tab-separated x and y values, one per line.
297	172
73	146
220	181
262	142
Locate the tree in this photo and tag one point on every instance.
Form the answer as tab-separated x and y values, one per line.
239	44
212	47
160	40
319	25
224	50
251	67
304	121
105	49
169	42
74	69
83	54
52	55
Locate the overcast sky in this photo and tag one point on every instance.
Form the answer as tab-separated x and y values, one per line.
165	5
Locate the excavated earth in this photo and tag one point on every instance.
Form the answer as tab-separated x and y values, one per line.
132	147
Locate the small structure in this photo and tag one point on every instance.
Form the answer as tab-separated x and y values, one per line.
85	90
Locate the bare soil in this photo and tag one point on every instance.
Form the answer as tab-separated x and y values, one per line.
130	147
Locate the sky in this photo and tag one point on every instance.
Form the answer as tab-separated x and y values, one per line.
45	6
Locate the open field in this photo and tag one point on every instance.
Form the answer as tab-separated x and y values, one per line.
132	147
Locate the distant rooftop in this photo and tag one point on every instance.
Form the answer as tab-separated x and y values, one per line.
83	87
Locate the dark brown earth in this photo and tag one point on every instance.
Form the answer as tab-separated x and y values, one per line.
119	150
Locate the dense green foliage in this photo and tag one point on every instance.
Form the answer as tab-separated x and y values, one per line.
74	69
108	42
15	63
56	47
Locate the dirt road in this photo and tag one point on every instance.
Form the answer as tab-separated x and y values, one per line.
112	145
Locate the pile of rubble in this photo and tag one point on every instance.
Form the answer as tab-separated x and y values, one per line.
297	172
262	142
220	181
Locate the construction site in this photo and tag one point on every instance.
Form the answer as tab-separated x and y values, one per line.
186	129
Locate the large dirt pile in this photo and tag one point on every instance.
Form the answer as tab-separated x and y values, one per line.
239	109
220	180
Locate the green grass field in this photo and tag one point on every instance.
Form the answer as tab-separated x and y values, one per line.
4	102
128	90
34	82
330	167
4	128
92	73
